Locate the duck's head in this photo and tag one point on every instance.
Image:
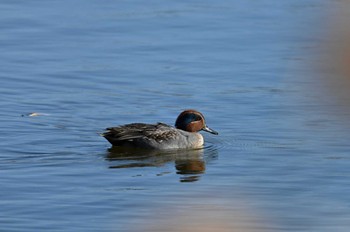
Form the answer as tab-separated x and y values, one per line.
192	121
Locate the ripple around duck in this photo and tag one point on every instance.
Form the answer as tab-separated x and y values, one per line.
242	144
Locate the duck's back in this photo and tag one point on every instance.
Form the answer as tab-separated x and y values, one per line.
154	136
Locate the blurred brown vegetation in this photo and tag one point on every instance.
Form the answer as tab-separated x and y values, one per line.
334	64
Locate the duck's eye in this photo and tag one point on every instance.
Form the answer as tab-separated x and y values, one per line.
197	118
192	117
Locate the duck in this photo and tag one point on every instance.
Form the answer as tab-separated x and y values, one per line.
161	136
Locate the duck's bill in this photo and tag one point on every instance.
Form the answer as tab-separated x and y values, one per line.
207	129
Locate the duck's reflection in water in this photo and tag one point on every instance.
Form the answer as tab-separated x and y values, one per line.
190	164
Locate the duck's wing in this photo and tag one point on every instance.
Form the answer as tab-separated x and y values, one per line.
139	134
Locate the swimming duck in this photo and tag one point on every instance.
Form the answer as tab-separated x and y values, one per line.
161	136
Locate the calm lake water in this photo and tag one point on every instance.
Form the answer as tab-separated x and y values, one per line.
280	162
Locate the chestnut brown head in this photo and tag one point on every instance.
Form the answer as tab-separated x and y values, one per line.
192	121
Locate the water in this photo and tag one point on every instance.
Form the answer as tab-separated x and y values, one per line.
280	162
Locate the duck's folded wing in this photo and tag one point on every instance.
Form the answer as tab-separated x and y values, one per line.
139	133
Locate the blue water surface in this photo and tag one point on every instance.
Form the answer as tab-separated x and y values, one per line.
280	162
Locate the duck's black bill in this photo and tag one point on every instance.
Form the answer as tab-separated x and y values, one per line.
207	129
